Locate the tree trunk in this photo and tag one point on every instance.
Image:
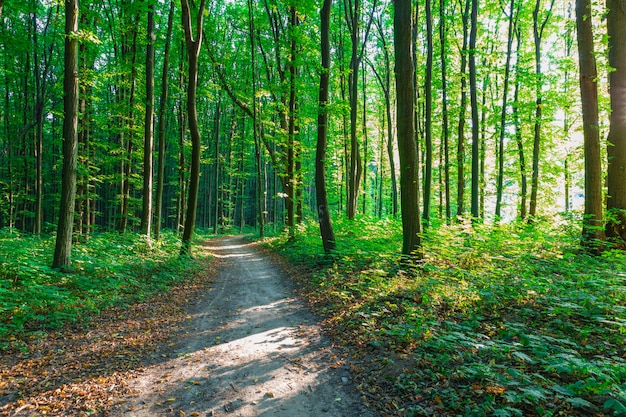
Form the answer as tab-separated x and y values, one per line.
256	126
460	154
128	163
193	42
616	173
63	246
444	107
592	219
409	169
352	12
158	204
326	225
148	144
428	108
500	145
538	35
474	105
518	132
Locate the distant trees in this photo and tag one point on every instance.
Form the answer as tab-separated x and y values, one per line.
481	80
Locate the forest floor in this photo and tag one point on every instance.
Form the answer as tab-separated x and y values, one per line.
235	341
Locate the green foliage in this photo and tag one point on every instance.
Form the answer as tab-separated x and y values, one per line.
108	270
504	320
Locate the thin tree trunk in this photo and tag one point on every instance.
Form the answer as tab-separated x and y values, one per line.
616	172
474	105
538	35
256	128
428	108
460	154
444	107
518	133
63	245
216	171
365	140
148	144
326	225
123	223
352	12
158	204
500	146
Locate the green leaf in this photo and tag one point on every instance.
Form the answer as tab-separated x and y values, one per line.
578	402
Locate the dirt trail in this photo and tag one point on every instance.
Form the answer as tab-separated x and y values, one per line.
251	349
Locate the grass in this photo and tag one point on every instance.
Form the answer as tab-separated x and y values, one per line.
506	321
110	269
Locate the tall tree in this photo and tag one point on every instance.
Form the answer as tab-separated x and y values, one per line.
518	129
616	173
193	42
503	112
409	169
385	84
592	220
158	206
323	213
475	208
63	246
538	29
460	153
148	144
256	126
444	105
428	108
353	11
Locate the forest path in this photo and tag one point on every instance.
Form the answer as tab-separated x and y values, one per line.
250	348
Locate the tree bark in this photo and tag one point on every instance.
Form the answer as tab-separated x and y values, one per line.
592	220
63	245
460	153
538	28
158	204
500	145
148	144
193	42
444	107
326	225
409	170
616	173
475	210
256	132
428	108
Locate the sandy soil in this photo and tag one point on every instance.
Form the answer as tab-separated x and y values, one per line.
250	349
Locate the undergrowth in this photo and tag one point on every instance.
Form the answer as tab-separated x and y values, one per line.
110	269
512	320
